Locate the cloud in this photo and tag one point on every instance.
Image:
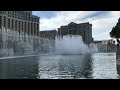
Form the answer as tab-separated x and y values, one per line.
102	21
63	18
97	14
103	25
44	14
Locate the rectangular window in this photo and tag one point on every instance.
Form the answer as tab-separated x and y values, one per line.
4	22
29	16
37	19
0	12
31	29
19	26
16	25
32	19
22	26
34	29
9	23
38	27
28	28
25	27
12	24
0	22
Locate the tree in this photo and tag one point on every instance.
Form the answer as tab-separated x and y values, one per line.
115	33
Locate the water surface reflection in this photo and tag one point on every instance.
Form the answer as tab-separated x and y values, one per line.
65	66
19	68
89	66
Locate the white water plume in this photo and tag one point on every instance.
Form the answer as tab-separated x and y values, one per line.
73	44
13	43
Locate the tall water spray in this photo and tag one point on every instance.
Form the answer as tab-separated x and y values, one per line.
73	44
13	43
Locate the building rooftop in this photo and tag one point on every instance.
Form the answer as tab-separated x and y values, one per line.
73	23
35	16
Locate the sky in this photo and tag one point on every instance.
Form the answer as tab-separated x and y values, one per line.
102	21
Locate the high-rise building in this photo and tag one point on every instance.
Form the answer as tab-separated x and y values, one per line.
21	21
83	29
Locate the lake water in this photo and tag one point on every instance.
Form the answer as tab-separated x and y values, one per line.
88	66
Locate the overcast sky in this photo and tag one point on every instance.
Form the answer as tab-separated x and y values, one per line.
102	21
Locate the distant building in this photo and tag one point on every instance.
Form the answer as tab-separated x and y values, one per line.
108	41
49	37
48	34
97	42
19	31
21	21
83	29
106	45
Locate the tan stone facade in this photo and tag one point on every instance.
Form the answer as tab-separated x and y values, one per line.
48	34
83	29
21	21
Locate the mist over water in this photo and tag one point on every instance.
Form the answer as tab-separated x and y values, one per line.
73	45
13	43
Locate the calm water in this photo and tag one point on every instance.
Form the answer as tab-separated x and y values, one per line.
89	66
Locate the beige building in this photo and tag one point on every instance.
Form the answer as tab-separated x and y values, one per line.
21	21
48	34
83	29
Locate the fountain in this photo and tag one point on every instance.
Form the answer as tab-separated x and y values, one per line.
73	44
13	43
